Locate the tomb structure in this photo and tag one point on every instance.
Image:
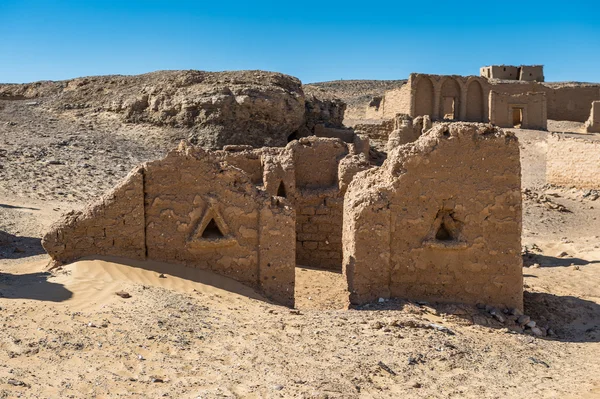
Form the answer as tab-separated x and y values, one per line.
188	208
439	220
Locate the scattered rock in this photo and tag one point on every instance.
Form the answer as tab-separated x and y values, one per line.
516	312
536	361
414	360
16	383
536	331
376	325
123	294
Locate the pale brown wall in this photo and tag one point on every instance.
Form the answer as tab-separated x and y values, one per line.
531	73
376	131
475	102
564	101
450	89
507	72
569	102
390	216
593	123
308	169
318	201
113	225
423	97
397	101
160	211
533	104
573	162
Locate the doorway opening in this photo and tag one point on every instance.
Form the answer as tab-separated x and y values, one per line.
449	110
517	117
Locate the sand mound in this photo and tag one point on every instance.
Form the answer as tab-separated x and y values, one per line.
93	283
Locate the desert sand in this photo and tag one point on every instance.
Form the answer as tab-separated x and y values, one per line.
185	333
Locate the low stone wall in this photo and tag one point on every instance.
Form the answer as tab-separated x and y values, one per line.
573	162
376	131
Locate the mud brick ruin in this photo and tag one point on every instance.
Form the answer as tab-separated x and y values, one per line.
440	220
504	95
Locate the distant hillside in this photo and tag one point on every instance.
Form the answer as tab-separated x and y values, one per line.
356	93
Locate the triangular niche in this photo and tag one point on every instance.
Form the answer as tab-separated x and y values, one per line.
210	230
281	192
446	232
443	233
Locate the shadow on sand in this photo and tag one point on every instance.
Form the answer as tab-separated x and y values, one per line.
6	206
32	286
16	247
553	261
572	319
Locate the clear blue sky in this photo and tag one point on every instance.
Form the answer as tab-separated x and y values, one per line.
313	40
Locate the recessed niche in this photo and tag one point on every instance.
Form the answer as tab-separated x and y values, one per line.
212	231
445	232
281	192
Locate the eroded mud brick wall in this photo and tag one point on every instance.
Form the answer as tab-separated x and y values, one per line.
573	162
593	123
114	225
306	172
376	131
318	202
570	102
440	220
189	208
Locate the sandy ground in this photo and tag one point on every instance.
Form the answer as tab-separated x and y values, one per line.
185	333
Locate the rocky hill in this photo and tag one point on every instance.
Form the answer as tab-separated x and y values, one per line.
256	108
